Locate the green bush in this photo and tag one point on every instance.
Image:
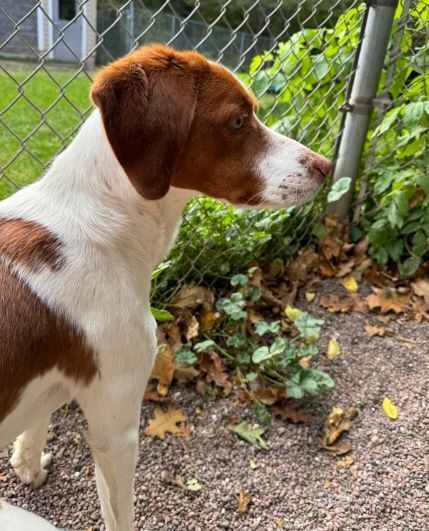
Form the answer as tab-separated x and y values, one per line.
396	212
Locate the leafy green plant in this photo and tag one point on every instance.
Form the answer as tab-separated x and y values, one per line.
396	213
262	353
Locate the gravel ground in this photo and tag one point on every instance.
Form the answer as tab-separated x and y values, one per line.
296	485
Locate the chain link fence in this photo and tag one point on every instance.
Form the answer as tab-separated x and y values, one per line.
297	57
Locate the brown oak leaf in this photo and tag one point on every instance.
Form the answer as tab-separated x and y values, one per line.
212	365
286	412
372	330
421	288
193	296
387	299
167	422
163	370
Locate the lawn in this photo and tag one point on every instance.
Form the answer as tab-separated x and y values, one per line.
38	117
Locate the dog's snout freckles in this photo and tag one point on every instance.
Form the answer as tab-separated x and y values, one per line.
317	166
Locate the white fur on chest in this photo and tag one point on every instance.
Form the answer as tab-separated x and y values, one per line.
112	239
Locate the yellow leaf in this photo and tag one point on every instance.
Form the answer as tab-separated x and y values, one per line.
390	409
334	349
310	296
350	284
292	313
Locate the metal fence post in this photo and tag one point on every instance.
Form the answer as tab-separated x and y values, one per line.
360	105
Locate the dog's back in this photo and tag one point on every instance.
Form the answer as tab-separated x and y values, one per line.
15	519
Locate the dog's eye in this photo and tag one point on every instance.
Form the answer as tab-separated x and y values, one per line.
237	123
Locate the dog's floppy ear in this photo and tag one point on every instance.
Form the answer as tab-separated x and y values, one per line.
147	101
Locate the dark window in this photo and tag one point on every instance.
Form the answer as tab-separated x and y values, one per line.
67	9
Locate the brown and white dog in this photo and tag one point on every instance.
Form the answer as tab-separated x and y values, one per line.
77	249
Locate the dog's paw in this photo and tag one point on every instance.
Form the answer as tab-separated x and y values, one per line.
31	472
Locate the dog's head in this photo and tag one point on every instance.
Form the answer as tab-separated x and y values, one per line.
177	119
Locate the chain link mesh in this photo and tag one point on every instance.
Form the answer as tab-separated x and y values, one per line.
297	57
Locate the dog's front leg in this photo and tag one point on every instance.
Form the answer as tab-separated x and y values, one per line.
112	409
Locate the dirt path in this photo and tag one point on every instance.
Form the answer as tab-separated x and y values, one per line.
296	485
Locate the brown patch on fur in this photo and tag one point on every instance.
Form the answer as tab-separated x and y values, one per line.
169	118
29	244
34	339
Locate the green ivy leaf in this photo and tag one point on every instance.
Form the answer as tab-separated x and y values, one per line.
339	188
251	435
410	266
161	315
413	114
237	341
193	485
239	280
185	356
204	345
309	327
262	327
261	354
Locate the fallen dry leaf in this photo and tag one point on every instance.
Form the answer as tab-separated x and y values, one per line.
286	412
345	268
301	265
193	296
332	247
337	422
163	370
327	270
244	500
268	395
347	461
336	431
350	284
387	299
153	395
212	365
334	303
207	320
193	327
372	330
350	303
185	374
342	448
420	309
166	422
310	295
389	408
305	361
334	349
421	288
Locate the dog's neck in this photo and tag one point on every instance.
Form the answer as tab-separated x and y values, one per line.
86	194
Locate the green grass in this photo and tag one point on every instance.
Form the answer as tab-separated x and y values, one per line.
45	112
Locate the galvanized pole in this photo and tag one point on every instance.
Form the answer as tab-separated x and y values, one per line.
361	102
